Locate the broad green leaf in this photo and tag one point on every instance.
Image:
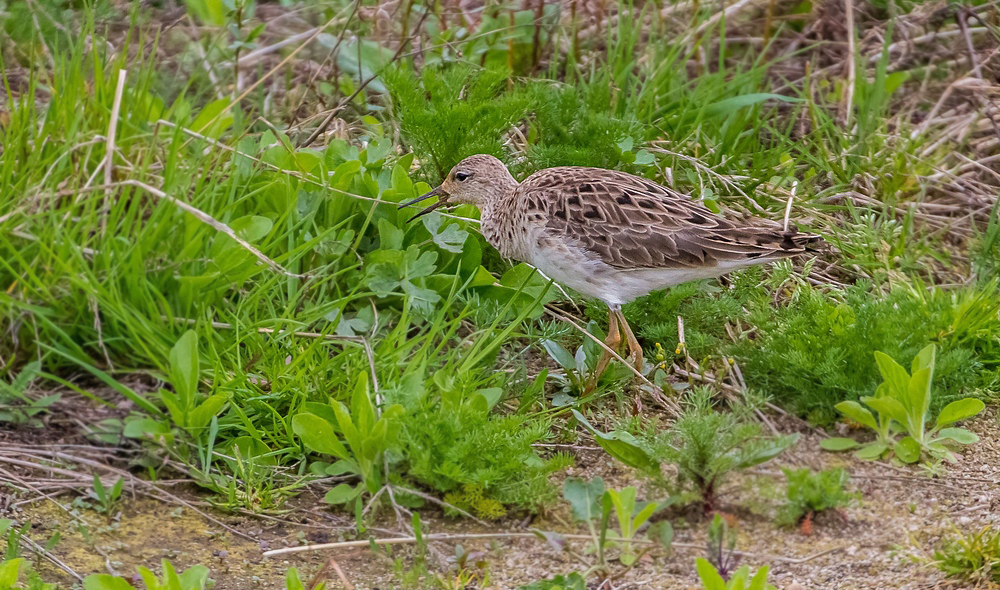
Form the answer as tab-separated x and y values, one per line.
838	444
318	435
559	354
856	412
184	369
170	578
894	374
351	433
342	494
710	577
924	360
249	447
621	446
959	435
450	237
174	408
645	514
10	570
770	451
959	410
888	406
342	467
918	400
894	80
194	578
210	12
390	236
662	532
362	409
292	580
202	415
211	121
324	411
644	158
907	449
759	581
872	451
492	396
145	427
624	503
149	578
105	582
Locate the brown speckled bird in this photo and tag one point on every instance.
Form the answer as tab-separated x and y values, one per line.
609	234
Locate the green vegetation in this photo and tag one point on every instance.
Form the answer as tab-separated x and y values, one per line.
815	348
902	403
972	557
204	276
16	407
593	506
809	493
711	579
708	445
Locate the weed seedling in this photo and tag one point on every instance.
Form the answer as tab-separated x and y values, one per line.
810	493
974	557
469	570
107	499
712	578
16	407
593	505
902	403
707	446
722	555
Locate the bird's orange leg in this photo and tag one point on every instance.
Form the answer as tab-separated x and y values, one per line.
613	341
633	342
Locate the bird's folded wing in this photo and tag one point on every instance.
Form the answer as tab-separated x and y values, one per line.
630	222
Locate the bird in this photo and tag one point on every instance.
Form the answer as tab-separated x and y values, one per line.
608	234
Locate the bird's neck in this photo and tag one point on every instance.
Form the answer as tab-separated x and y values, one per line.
502	222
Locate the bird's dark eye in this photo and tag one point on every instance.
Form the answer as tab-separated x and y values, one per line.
463	176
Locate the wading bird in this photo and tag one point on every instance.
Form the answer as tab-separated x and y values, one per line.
608	234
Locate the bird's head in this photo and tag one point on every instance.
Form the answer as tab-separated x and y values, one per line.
477	180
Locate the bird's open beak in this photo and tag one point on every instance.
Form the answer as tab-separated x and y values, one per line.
438	192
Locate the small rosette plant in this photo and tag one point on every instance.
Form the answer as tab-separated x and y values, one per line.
901	405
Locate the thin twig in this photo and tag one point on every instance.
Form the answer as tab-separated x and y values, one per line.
312	335
346	101
109	155
340	574
668	404
218	225
534	535
851	65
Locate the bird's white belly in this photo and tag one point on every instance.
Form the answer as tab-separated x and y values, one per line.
587	274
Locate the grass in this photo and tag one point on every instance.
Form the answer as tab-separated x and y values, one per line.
185	202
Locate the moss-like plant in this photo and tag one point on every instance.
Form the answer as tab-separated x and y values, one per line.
810	493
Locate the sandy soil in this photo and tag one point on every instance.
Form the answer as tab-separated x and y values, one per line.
882	540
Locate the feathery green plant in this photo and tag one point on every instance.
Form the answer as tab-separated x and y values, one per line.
707	446
809	493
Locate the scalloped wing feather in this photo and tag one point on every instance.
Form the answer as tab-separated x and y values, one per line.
630	222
